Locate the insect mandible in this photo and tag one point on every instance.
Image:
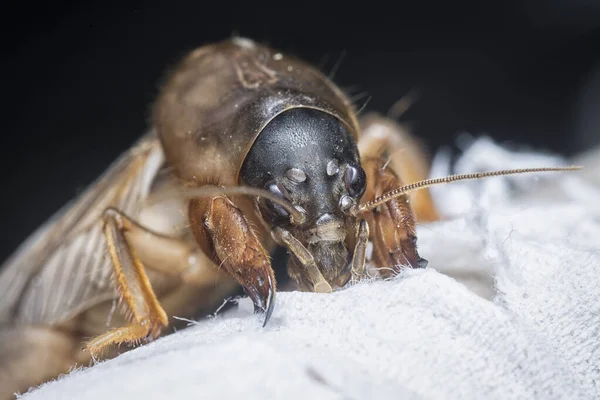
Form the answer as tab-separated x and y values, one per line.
249	149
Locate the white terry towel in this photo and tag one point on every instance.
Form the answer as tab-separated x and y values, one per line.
507	309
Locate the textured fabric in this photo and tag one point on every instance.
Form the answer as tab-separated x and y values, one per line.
507	309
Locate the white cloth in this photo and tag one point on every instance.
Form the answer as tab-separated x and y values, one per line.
508	309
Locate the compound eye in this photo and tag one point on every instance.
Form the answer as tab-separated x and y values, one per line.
275	210
355	180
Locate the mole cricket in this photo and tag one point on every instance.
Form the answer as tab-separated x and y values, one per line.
248	149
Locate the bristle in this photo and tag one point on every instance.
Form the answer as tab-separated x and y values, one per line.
336	66
364	105
401	106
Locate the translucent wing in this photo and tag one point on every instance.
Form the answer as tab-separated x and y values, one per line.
63	267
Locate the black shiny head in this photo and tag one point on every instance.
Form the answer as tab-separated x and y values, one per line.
309	158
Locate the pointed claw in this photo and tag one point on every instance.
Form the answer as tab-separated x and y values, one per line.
407	256
414	261
262	295
422	263
270	302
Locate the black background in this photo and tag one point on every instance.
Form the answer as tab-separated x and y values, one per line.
78	77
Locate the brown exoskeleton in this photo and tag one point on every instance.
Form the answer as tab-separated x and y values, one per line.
249	149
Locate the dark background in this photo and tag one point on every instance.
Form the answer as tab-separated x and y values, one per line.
78	77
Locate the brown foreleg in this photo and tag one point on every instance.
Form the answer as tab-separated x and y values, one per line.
392	224
383	137
224	233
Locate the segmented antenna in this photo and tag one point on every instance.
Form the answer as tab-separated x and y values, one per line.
392	194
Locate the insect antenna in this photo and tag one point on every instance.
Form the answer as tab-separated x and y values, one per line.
208	191
392	194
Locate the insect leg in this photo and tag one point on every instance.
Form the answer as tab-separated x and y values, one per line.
134	287
383	137
224	233
168	255
392	224
296	272
315	281
360	251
